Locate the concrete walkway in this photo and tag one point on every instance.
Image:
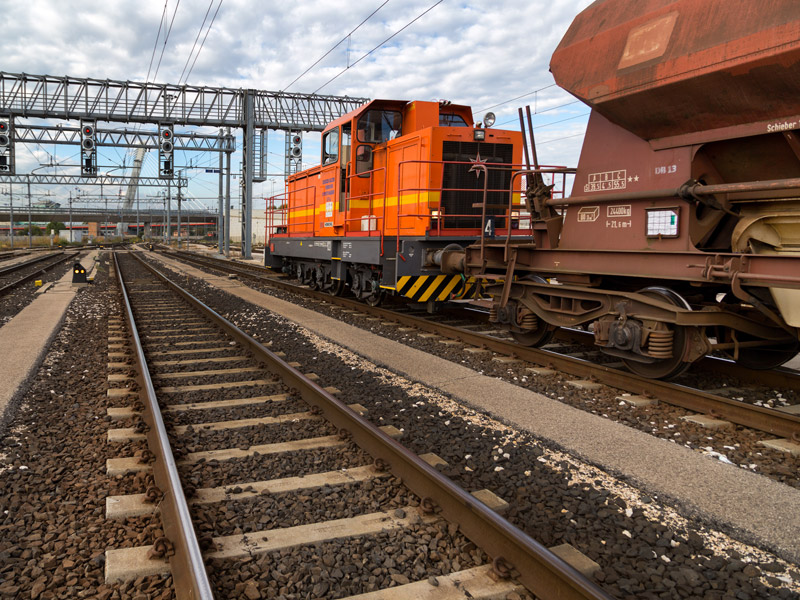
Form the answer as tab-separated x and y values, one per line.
757	509
29	334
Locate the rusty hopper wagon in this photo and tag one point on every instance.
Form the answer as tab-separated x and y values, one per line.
682	233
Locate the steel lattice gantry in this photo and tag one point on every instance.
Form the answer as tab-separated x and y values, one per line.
253	111
48	97
125	138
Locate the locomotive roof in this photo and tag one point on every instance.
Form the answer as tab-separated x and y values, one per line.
381	103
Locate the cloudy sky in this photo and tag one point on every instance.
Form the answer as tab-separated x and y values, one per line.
489	54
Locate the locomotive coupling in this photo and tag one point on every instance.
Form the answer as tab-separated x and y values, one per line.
449	259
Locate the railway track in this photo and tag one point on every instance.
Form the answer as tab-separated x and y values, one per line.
17	274
716	406
239	442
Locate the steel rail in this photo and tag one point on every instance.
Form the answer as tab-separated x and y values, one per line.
21	265
538	569
755	417
10	286
188	571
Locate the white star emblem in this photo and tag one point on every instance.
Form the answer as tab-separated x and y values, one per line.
477	161
636	178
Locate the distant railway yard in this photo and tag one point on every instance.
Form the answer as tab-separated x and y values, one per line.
324	448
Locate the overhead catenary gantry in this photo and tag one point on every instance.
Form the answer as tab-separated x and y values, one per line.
165	105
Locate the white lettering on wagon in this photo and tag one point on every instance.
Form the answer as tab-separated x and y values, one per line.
781	126
606	181
621	210
588	214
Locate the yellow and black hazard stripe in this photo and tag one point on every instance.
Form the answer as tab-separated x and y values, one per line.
439	288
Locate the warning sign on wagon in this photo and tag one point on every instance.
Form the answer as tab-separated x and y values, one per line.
606	181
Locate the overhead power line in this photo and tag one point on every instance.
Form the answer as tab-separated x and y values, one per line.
539	112
155	44
406	26
166	39
475	112
197	37
336	45
203	43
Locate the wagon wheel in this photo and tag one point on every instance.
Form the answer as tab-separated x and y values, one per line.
543	333
666	368
536	338
766	357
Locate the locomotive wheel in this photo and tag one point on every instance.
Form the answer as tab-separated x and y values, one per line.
375	299
337	287
666	368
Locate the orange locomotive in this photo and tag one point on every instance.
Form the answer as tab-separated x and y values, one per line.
398	183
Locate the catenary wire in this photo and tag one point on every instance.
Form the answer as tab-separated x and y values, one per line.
197	37
155	44
203	43
166	39
296	79
407	25
475	112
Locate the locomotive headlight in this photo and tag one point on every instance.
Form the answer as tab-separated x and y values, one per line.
479	135
489	119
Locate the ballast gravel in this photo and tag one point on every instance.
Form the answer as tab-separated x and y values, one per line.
53	530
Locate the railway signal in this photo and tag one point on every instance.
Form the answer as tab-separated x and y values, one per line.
88	149
294	152
6	147
166	151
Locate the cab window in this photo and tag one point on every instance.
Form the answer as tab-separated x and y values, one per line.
451	120
379	126
330	147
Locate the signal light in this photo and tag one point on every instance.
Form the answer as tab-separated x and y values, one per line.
5	135
296	140
89	149
296	151
166	148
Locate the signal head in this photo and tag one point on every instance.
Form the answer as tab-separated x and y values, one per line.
3	127
87	144
295	152
296	139
4	140
87	130
166	146
166	134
